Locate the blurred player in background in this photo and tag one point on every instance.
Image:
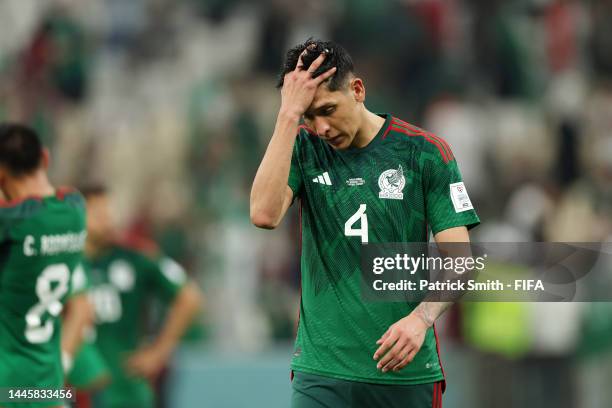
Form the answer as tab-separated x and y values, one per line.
88	372
42	236
121	282
360	178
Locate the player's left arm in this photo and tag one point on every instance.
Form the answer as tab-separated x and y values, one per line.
449	214
150	359
402	341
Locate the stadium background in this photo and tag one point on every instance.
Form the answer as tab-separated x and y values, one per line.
171	103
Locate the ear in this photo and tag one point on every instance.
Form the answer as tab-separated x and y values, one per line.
358	89
45	159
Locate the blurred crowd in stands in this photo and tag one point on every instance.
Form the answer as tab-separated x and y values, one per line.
171	103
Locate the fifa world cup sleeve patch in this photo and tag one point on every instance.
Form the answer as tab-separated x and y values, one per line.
460	198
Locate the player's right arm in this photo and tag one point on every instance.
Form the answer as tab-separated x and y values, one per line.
270	194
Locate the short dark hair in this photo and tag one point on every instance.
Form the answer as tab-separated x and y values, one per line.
336	57
20	149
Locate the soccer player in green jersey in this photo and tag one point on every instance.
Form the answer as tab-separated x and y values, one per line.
360	178
76	320
86	372
122	280
42	236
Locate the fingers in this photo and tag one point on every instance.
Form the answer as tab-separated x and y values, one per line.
386	345
397	349
405	361
392	357
317	63
314	66
383	338
398	354
300	64
323	77
399	345
301	75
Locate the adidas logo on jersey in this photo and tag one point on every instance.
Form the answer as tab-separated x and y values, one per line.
323	179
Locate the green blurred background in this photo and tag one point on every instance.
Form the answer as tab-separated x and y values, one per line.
171	103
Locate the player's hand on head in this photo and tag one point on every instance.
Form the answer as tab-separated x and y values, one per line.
400	343
147	362
299	86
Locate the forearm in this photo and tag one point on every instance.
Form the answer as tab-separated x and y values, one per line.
270	184
79	314
429	312
179	317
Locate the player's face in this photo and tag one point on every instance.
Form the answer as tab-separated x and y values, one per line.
99	220
336	116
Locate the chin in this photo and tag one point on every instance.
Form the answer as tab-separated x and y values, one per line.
345	142
343	146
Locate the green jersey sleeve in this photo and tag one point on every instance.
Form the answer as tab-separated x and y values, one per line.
166	277
447	202
295	173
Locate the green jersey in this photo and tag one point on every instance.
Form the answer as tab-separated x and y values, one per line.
402	185
41	244
121	281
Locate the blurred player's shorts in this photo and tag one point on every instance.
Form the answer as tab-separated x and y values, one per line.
89	371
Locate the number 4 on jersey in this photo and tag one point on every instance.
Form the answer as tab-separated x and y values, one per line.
362	232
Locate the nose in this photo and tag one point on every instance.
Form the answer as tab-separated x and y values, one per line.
321	126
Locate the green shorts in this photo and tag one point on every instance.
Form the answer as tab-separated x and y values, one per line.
315	391
89	371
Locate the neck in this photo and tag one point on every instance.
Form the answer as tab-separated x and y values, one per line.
371	124
35	185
